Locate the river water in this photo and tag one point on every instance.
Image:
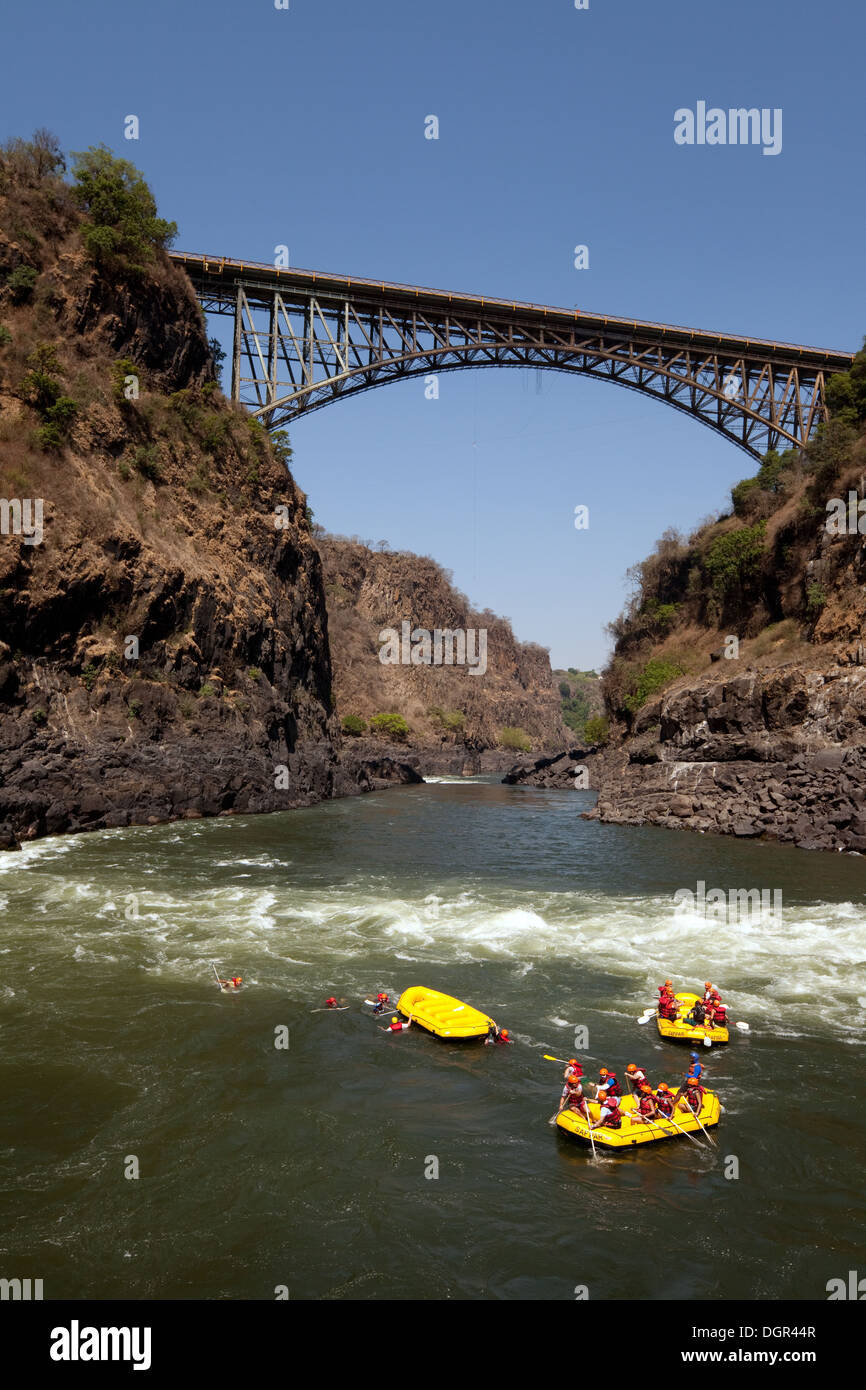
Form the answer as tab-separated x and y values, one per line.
306	1168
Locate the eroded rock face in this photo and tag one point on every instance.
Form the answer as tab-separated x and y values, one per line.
779	753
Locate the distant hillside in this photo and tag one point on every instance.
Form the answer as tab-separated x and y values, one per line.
580	697
513	705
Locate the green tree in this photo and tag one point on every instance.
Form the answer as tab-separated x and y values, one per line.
122	210
596	730
846	392
354	725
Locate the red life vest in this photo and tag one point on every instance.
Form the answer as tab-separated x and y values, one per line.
611	1086
644	1105
665	1104
691	1093
720	1015
396	1027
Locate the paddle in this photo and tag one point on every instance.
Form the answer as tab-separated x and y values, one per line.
710	1138
218	980
547	1057
684	1131
743	1027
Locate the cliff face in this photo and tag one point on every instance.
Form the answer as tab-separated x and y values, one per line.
163	631
455	715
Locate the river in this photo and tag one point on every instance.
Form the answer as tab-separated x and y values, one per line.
307	1168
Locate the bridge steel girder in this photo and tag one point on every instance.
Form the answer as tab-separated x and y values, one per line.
303	340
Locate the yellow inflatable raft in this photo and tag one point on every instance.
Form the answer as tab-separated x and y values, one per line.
680	1031
634	1131
441	1014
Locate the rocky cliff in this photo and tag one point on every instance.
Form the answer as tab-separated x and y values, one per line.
163	629
456	714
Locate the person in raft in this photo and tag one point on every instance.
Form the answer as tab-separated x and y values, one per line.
694	1073
647	1109
234	983
636	1076
698	1014
664	1100
395	1026
573	1097
496	1035
694	1097
717	1014
667	1005
609	1114
572	1069
382	1002
711	994
607	1085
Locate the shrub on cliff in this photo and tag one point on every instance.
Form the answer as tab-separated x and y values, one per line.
353	725
515	739
393	726
656	674
733	559
124	226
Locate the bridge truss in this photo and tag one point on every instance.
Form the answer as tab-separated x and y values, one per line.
303	340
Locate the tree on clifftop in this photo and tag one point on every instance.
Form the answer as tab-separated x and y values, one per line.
125	226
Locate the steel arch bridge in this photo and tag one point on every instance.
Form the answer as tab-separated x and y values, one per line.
303	339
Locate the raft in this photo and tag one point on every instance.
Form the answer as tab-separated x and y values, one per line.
443	1015
689	1032
634	1131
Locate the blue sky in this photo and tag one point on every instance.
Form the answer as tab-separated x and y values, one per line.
260	127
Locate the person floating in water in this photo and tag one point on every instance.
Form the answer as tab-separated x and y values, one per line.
382	1003
395	1026
496	1034
234	983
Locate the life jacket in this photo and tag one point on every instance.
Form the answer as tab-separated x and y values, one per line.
612	1086
637	1078
665	1104
614	1120
573	1090
396	1027
689	1097
644	1105
720	1015
668	1007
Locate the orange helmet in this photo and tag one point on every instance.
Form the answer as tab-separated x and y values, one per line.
631	1067
692	1081
603	1071
572	1061
647	1087
669	982
663	1086
503	1032
708	984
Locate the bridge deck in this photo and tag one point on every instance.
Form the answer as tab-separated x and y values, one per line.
222	273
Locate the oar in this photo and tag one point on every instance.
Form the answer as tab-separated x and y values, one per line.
743	1027
547	1057
589	1132
710	1138
684	1131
